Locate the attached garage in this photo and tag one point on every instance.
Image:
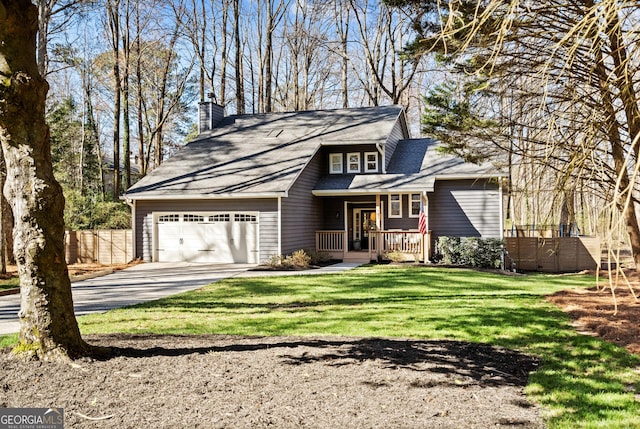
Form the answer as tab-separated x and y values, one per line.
209	237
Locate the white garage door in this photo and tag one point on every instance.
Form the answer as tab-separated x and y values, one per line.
207	237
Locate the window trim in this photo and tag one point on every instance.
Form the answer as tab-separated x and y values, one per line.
391	203
411	201
357	154
366	162
333	156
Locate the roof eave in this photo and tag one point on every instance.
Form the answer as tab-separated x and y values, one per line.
470	176
376	191
227	196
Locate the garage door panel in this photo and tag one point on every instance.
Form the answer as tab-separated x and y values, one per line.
195	244
169	248
209	237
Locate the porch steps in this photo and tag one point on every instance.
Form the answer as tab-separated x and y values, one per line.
360	257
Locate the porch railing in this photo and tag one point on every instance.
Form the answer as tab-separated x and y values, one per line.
409	243
398	241
330	241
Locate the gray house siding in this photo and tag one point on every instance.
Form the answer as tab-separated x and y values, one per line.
333	214
344	150
268	220
301	211
397	133
403	223
465	208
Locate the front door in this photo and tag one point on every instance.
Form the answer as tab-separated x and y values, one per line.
364	223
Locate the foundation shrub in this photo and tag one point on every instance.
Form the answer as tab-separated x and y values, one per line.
470	251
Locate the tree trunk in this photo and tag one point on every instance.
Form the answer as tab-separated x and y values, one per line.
3	233
48	327
126	135
223	60
113	10
44	15
240	102
142	165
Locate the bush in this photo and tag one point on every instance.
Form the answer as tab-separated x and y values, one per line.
298	259
318	257
395	256
470	251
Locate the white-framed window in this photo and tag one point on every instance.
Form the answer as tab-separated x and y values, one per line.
371	162
240	217
353	162
414	205
169	218
395	205
224	217
193	218
335	163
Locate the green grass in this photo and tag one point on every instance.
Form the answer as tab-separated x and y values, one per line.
11	283
582	381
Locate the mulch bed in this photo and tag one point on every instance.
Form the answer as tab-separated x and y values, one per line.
593	311
165	381
282	382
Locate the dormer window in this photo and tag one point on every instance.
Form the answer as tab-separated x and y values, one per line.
335	163
371	162
353	165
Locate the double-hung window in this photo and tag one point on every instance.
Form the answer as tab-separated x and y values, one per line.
371	162
414	205
335	163
353	162
395	205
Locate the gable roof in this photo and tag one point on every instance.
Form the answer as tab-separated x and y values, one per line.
261	155
414	167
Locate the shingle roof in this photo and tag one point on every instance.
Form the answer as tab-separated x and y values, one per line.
414	167
263	154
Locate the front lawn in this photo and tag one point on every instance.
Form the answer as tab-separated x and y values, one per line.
10	283
582	381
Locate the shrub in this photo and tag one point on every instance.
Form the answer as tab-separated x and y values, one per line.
300	259
318	257
395	256
470	251
275	261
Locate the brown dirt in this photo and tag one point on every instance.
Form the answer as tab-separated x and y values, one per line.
282	382
76	269
594	313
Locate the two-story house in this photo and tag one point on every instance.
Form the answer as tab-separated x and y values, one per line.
348	182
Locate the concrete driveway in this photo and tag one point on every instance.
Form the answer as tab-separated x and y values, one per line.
140	283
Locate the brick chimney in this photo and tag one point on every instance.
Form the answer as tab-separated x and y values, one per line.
210	114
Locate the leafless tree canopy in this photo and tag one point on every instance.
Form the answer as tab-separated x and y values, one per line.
558	82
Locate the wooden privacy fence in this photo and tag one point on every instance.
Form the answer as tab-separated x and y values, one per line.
554	255
106	247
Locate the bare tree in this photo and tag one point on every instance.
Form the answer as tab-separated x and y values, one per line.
387	71
48	327
113	14
126	133
581	118
239	57
48	10
342	17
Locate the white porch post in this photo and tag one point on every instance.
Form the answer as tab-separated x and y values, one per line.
345	243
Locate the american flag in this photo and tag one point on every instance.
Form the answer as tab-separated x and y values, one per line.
422	221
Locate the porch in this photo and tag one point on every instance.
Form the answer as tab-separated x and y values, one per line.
411	245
